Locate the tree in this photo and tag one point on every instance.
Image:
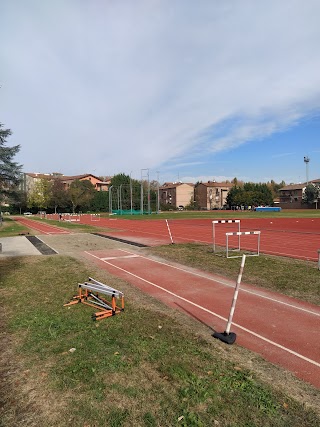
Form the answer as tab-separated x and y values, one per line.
19	201
59	195
100	201
81	193
250	194
311	193
10	171
274	187
40	195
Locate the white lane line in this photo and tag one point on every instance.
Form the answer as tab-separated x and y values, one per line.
120	257
313	362
231	285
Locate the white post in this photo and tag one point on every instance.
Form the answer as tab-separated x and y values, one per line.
169	231
213	237
233	305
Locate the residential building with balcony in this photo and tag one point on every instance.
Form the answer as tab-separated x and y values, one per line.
175	194
211	195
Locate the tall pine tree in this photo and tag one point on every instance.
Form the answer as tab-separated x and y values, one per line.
10	171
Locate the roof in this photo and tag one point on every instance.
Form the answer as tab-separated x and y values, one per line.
300	186
167	185
216	184
293	187
64	177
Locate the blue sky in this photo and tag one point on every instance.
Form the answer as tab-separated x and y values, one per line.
191	90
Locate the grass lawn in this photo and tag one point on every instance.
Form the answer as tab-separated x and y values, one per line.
10	228
144	367
14	228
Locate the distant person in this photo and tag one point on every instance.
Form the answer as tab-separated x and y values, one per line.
60	217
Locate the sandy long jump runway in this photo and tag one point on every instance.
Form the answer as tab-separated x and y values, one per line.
282	330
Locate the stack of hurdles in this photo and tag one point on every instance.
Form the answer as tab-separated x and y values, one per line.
90	294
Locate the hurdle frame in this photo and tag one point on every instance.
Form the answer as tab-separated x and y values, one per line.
243	233
95	217
223	221
88	294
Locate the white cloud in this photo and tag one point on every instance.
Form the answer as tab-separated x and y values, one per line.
120	86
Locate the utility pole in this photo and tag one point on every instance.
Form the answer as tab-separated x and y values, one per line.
145	174
158	193
307	160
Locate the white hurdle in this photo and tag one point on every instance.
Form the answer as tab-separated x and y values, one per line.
243	233
95	217
223	221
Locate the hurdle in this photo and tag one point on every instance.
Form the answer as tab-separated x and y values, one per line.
242	233
71	217
88	294
223	221
95	217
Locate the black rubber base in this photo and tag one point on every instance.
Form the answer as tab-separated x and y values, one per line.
223	336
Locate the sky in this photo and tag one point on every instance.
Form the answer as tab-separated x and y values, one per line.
176	90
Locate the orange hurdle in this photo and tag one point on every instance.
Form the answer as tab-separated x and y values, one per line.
89	295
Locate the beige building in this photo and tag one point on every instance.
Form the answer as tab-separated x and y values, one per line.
212	194
176	194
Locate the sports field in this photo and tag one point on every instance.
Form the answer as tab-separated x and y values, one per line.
271	325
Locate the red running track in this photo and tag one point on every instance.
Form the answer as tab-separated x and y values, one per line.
42	228
290	237
281	329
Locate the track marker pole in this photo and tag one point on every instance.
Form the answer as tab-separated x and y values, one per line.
169	232
227	336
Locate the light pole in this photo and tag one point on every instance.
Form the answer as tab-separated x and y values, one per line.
141	202
307	160
131	192
110	199
158	193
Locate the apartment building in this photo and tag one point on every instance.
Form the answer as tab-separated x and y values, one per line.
30	179
291	196
211	195
176	194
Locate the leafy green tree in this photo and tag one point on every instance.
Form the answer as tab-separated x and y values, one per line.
250	194
40	195
100	201
81	194
19	201
120	179
10	171
59	195
311	193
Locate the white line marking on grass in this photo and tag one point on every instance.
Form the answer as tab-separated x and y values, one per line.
230	285
313	362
